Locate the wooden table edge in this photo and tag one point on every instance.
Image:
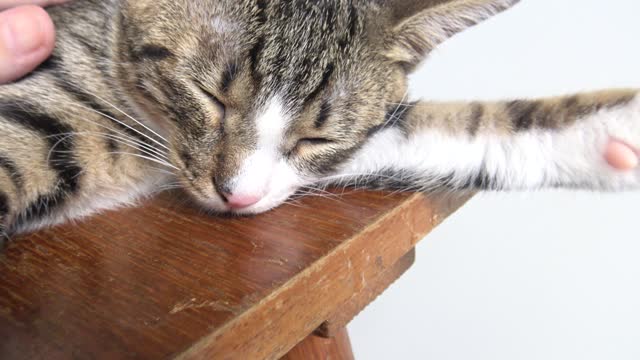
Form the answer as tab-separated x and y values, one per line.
419	216
359	301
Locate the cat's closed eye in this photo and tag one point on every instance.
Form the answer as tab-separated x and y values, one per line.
214	99
310	142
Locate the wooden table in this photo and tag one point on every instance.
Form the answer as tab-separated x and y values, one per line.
167	281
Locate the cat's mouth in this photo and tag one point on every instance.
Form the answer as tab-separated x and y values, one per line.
211	200
259	185
221	206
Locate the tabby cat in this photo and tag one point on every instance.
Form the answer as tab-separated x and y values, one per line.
243	102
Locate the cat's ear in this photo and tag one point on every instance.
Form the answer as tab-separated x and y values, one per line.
418	26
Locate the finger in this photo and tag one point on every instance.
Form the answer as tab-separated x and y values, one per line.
26	39
621	156
5	4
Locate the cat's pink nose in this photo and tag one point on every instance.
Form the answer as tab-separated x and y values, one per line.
239	201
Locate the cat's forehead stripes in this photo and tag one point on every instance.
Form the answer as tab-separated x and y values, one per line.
323	114
254	57
229	74
152	52
299	45
324	81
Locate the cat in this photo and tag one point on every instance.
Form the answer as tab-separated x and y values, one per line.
243	102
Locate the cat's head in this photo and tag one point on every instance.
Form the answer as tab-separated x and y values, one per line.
259	98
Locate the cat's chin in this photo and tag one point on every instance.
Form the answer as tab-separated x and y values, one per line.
248	211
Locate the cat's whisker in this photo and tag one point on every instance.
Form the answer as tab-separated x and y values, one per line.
408	105
393	118
300	194
131	142
148	149
164	171
159	152
309	191
172	186
109	136
127	115
413	183
144	157
358	181
353	176
123	124
165	188
294	203
320	189
311	194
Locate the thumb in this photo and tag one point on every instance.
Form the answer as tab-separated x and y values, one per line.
26	39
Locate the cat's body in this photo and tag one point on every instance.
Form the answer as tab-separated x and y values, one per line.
244	102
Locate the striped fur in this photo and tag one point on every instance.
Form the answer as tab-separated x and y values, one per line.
514	145
243	102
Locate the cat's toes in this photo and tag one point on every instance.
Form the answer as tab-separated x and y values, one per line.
621	156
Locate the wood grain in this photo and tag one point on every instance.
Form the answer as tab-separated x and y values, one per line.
338	321
166	280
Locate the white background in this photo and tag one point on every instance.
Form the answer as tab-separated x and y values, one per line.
552	275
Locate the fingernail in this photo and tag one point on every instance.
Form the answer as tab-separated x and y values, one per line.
23	34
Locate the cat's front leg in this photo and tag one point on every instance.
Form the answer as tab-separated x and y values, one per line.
511	145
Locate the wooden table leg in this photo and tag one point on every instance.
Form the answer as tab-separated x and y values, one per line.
315	347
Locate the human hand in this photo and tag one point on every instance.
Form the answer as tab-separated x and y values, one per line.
27	36
621	156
